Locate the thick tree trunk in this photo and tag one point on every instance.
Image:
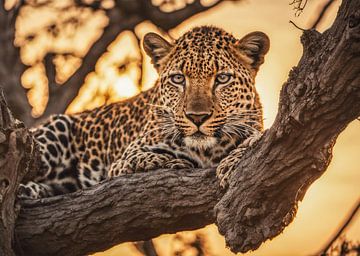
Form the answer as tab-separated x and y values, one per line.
318	101
17	153
320	98
11	67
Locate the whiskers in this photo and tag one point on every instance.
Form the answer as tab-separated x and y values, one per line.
237	125
161	111
242	123
164	124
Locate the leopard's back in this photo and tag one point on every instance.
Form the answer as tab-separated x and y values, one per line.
77	150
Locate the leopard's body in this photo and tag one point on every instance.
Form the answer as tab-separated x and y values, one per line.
203	106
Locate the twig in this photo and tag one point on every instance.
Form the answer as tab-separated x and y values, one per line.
146	247
140	82
298	8
296	26
341	230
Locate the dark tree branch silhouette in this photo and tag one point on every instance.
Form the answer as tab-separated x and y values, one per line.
299	6
124	15
11	66
348	220
322	13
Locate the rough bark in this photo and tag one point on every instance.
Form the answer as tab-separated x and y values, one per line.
17	152
318	101
320	98
131	208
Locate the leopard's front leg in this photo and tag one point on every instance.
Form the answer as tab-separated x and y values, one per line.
147	158
227	165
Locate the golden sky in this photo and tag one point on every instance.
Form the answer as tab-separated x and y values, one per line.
328	200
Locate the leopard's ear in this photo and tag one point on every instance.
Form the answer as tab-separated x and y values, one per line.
156	48
254	46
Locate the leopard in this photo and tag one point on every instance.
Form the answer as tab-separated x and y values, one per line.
202	112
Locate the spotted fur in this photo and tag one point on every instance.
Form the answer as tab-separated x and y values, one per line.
203	106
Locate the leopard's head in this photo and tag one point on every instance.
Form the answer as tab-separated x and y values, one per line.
206	83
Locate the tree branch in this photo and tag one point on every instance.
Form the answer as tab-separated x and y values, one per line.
125	16
320	98
131	208
346	223
69	90
11	66
17	152
50	71
163	20
318	101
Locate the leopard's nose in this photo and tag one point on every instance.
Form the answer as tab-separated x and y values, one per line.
198	118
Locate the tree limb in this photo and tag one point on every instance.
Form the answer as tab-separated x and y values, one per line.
66	92
17	152
131	208
124	16
163	20
346	223
320	98
318	101
11	67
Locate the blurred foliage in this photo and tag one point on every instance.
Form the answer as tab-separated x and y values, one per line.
66	44
190	244
344	247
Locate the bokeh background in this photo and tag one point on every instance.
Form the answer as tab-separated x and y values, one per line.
56	51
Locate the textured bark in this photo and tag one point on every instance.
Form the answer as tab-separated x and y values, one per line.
318	101
131	208
320	98
16	154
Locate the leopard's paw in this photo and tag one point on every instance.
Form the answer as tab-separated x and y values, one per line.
26	192
142	162
178	164
223	171
33	190
252	139
120	167
227	165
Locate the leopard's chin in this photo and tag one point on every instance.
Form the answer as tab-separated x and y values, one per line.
199	140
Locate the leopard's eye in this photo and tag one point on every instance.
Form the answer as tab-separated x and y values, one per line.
222	78
177	79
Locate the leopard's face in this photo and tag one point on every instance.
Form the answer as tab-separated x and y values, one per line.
207	85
